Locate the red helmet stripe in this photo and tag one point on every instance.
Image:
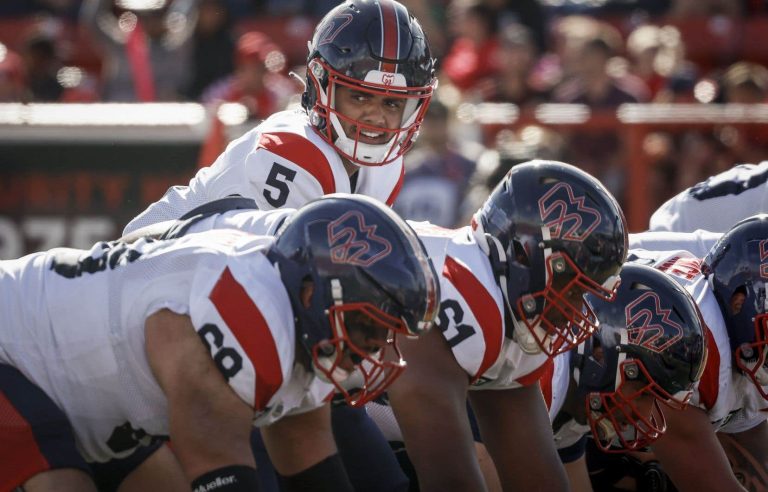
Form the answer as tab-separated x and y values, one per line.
390	35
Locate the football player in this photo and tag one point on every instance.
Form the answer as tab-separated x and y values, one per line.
728	404
510	283
717	203
512	287
104	353
621	385
370	77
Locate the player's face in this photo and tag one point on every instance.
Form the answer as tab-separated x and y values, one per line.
737	302
380	111
366	336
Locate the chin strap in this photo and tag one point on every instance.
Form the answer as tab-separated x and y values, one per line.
497	256
327	361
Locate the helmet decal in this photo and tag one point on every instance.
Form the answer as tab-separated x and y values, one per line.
574	221
354	242
764	258
337	24
649	325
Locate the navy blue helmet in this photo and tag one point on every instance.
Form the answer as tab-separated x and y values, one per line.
552	233
374	47
651	342
367	270
737	268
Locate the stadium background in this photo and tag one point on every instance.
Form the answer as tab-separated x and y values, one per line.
75	166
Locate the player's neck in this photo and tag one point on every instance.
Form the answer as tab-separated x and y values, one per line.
349	166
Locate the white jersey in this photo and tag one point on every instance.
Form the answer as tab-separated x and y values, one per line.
732	403
717	203
729	399
282	162
73	323
472	312
698	242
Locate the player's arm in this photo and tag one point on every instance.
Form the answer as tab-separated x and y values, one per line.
210	425
748	454
578	475
429	402
513	423
303	452
690	453
150	231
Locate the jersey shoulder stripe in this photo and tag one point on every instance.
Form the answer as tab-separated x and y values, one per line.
252	332
547	374
543	371
303	152
710	379
483	307
399	186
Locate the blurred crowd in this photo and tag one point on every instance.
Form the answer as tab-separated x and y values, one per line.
601	53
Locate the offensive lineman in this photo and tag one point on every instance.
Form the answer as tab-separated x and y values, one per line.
199	339
543	220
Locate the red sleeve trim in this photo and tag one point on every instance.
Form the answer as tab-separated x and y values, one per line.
250	328
303	153
398	186
709	385
543	372
483	307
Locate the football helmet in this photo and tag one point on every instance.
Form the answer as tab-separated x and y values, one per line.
369	272
552	233
375	47
737	269
651	342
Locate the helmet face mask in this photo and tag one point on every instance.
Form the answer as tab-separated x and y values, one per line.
630	417
370	280
647	356
752	357
565	319
377	373
377	49
737	269
552	233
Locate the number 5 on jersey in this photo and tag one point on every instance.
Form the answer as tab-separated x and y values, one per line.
278	178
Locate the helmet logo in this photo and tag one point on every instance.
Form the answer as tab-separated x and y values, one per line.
566	215
354	242
764	258
649	324
387	78
333	28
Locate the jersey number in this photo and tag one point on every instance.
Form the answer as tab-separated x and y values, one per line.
457	316
227	360
278	178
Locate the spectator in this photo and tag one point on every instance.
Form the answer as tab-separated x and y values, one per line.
257	83
11	76
471	57
593	83
41	64
213	47
516	81
744	82
655	53
147	48
437	173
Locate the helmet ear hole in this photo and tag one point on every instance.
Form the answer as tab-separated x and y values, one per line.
307	291
520	254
